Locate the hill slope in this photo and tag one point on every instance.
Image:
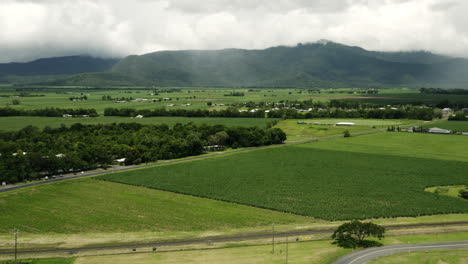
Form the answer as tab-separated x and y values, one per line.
58	66
321	64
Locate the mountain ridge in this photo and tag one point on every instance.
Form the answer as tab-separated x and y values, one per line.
318	64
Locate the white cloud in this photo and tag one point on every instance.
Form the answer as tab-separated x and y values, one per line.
43	28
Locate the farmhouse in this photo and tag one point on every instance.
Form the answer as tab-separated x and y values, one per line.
345	124
436	130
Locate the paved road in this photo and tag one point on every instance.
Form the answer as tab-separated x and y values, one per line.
214	239
122	168
361	257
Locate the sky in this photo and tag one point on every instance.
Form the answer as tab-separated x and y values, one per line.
32	29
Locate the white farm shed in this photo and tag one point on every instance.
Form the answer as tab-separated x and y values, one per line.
345	124
436	130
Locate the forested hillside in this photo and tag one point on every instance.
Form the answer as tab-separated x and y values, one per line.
321	64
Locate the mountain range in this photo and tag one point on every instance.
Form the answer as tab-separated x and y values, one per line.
320	64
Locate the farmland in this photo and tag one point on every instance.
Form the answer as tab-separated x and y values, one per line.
19	122
89	205
459	126
199	97
330	180
312	128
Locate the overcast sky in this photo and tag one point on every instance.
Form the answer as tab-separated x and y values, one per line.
31	29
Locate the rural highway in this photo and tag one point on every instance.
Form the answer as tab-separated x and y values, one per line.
132	167
210	240
363	256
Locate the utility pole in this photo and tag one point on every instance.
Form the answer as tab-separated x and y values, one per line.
287	250
16	245
273	239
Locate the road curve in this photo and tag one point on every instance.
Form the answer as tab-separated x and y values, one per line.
120	168
363	256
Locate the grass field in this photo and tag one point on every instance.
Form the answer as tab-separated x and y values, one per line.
459	126
317	252
197	97
326	127
309	252
379	175
43	261
19	122
453	256
89	205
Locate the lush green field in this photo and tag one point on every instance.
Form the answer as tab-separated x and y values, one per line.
452	256
411	145
89	205
197	97
333	179
459	126
326	127
19	122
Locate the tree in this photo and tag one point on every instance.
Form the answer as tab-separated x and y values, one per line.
15	102
464	194
354	233
346	133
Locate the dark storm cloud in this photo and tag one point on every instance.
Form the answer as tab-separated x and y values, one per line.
42	28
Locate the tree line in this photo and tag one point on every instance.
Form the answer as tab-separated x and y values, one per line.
50	112
229	112
442	91
32	153
387	113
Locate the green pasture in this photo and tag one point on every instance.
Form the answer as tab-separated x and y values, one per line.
89	205
401	144
332	180
19	122
459	126
197	97
314	128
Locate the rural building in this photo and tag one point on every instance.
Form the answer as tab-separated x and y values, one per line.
300	122
121	161
345	124
436	130
214	148
66	115
447	111
139	116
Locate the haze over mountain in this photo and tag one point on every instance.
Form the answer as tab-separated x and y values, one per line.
320	64
58	65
